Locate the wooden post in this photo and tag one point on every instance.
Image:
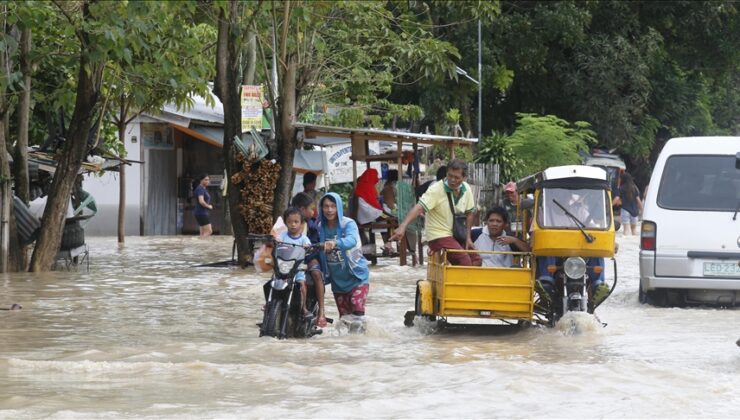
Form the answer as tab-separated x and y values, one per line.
414	173
402	245
451	148
367	153
4	222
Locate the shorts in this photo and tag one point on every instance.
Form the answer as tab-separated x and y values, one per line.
352	302
202	219
628	218
313	265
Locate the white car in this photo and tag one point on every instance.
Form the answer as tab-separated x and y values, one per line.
690	236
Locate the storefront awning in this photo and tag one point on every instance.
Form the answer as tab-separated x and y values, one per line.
211	135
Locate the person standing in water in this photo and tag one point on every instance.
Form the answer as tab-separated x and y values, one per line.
628	196
203	207
342	262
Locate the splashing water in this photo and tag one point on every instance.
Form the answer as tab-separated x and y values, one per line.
579	323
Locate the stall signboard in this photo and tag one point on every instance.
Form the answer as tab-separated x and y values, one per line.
252	105
340	164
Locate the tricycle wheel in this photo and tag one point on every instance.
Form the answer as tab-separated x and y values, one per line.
408	318
271	322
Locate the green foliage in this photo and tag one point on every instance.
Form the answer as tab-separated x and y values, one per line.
453	116
635	70
540	142
352	53
344	190
497	149
157	61
153	53
461	152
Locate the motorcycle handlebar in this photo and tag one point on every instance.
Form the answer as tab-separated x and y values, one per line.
319	246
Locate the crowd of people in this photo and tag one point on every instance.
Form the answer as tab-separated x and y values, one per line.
439	202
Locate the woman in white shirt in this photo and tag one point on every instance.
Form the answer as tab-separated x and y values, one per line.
494	238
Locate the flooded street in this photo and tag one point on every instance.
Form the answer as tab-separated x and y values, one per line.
145	334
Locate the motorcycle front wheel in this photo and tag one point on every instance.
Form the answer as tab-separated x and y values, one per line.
271	323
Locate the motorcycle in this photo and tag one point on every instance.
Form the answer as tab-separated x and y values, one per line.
572	235
283	315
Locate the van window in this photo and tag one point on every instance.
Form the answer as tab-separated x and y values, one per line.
700	182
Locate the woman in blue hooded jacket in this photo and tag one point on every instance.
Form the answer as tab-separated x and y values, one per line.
346	269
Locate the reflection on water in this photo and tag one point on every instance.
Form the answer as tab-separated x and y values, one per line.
147	334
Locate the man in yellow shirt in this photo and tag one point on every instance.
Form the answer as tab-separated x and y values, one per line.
435	205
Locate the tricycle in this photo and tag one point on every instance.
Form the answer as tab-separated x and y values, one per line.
571	233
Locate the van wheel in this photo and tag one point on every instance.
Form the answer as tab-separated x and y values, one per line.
674	298
657	297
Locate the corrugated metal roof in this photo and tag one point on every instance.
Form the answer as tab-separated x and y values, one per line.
200	111
320	134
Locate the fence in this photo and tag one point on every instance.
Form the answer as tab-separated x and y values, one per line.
484	180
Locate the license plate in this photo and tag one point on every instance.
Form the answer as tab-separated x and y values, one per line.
722	269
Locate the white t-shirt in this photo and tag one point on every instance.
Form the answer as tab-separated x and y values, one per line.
485	243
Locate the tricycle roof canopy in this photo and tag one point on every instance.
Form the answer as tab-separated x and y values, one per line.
575	176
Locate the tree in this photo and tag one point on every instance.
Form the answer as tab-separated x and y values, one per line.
233	23
544	141
154	62
497	149
7	82
87	18
349	53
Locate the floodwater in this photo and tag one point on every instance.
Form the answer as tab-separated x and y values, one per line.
145	334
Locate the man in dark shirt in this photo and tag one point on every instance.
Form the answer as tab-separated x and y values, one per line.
421	189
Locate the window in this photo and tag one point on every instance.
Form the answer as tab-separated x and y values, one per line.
589	206
700	182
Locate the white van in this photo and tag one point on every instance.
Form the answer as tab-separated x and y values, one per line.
690	238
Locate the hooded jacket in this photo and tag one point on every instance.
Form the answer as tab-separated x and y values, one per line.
347	268
366	188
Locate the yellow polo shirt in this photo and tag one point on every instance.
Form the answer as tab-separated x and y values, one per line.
437	208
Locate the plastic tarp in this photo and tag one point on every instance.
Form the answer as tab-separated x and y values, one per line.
310	161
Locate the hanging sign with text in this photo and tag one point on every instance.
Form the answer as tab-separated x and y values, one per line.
252	100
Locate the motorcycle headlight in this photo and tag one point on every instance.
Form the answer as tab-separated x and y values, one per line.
285	266
575	267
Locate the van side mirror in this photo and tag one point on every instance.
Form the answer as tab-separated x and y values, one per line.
737	160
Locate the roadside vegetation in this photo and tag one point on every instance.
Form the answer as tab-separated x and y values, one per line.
558	77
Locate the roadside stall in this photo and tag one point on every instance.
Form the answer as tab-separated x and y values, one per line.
363	144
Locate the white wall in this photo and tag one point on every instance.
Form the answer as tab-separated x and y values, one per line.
105	189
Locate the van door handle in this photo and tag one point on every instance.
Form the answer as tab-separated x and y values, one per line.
710	254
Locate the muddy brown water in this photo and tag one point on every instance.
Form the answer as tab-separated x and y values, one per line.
146	334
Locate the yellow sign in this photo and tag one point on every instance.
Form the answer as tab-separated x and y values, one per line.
252	100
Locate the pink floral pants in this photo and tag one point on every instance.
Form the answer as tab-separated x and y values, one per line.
352	302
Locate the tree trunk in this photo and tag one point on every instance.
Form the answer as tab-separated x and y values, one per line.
69	163
18	257
251	59
5	199
20	168
12	256
5	186
228	89
286	137
122	184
